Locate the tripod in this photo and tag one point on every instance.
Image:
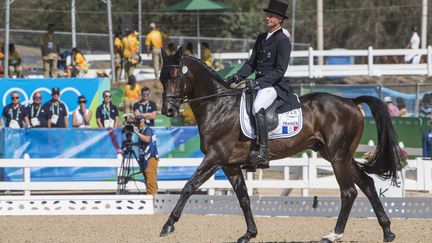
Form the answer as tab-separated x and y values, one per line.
125	174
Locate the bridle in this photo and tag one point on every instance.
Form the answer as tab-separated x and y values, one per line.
174	98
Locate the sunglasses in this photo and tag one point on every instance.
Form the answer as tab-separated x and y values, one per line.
15	98
80	102
37	97
107	96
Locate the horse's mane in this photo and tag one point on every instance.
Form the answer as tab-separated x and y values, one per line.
212	72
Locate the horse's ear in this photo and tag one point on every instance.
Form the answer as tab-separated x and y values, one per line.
179	52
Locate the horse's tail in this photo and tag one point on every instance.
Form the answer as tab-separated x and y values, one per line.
387	159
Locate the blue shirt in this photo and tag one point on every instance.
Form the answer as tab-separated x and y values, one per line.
427	144
147	150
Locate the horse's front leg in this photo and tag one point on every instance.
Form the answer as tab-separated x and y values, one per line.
206	169
235	176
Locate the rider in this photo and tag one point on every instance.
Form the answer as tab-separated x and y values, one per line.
269	61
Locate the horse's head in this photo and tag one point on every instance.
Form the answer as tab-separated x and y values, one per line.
172	82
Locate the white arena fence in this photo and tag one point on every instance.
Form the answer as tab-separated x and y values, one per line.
312	70
420	178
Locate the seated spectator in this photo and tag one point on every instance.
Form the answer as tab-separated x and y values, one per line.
79	65
15	63
132	94
107	113
425	106
400	103
146	107
189	50
392	108
64	63
81	116
207	55
38	114
14	115
171	49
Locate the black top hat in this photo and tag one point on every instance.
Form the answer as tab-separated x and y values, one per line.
277	7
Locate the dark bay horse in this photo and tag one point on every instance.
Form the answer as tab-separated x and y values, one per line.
332	126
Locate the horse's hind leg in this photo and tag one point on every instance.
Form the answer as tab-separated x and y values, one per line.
206	169
348	192
235	176
366	184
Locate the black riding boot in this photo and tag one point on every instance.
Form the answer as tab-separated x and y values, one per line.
260	157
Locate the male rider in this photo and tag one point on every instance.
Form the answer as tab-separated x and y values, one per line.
269	61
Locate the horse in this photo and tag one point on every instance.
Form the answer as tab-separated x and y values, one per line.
332	126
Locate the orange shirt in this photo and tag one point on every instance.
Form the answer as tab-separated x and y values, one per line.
132	94
154	38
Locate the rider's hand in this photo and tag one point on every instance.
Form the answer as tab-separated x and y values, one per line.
233	79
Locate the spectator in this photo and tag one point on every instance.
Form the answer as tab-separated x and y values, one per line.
15	63
57	113
207	55
146	107
107	113
425	108
148	155
130	52
38	114
132	94
392	108
101	74
81	116
118	55
171	49
414	44
79	65
50	49
154	43
15	114
427	140
189	50
400	103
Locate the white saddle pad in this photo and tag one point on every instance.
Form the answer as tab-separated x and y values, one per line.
290	123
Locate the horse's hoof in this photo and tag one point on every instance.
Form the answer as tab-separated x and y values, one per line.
166	230
325	240
243	239
389	237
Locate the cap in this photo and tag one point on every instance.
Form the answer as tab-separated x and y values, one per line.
55	90
82	98
152	25
387	99
139	118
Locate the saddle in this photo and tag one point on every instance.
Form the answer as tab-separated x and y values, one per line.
270	113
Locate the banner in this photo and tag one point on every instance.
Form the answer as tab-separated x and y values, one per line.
70	89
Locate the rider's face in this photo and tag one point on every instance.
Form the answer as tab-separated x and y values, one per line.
272	21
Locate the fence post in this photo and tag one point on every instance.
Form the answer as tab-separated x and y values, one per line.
311	62
305	174
417	100
26	172
370	61
429	60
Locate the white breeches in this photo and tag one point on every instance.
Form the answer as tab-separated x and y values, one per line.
265	97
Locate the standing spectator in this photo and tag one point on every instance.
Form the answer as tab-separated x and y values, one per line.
15	114
154	43
50	49
189	50
107	113
38	114
57	113
146	107
392	108
400	103
171	49
131	94
148	154
79	65
427	140
15	64
118	55
414	44
81	116
207	55
130	52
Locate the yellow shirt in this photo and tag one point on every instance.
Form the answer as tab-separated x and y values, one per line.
187	53
117	45
132	94
207	57
130	46
80	60
154	38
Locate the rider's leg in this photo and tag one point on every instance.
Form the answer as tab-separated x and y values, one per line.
265	97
